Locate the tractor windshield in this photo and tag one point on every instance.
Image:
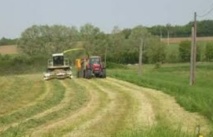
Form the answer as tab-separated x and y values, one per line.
94	60
58	60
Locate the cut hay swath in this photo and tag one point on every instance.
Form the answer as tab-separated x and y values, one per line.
96	107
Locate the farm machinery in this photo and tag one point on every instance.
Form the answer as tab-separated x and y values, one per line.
58	67
90	67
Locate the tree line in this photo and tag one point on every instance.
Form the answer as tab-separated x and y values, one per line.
7	41
119	46
205	28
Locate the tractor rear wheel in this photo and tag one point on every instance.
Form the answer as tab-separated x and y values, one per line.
104	73
88	73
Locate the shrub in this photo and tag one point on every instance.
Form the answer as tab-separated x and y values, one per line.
209	52
184	51
115	65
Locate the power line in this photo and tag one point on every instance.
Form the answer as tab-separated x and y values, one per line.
207	13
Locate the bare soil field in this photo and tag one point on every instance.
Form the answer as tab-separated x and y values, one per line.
8	49
178	40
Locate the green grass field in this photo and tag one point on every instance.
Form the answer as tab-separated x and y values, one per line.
31	107
173	79
108	107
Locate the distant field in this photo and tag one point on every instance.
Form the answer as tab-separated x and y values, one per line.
8	49
178	40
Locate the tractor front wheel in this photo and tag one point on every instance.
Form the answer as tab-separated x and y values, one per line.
88	73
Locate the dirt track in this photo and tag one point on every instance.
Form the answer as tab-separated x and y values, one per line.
111	106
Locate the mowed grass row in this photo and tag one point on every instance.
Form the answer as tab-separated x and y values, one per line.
54	97
27	127
17	92
81	118
108	112
115	115
105	116
169	119
117	118
174	80
51	124
120	105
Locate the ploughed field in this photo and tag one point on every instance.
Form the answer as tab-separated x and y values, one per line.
75	107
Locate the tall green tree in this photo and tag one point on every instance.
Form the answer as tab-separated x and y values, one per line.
88	35
117	47
153	49
156	51
45	40
139	37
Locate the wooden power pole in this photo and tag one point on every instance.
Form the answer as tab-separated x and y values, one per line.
140	57
193	51
191	82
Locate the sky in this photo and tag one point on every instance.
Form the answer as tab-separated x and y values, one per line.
18	15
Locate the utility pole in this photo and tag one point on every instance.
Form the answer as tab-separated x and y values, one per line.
105	56
195	42
168	38
160	34
191	81
168	33
140	57
193	51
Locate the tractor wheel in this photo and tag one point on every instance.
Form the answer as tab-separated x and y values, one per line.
88	74
104	73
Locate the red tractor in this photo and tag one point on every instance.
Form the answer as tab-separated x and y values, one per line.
91	67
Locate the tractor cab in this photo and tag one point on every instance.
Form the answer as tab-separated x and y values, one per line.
95	64
58	67
58	59
95	60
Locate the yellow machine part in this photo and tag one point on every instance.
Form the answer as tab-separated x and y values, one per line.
78	64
